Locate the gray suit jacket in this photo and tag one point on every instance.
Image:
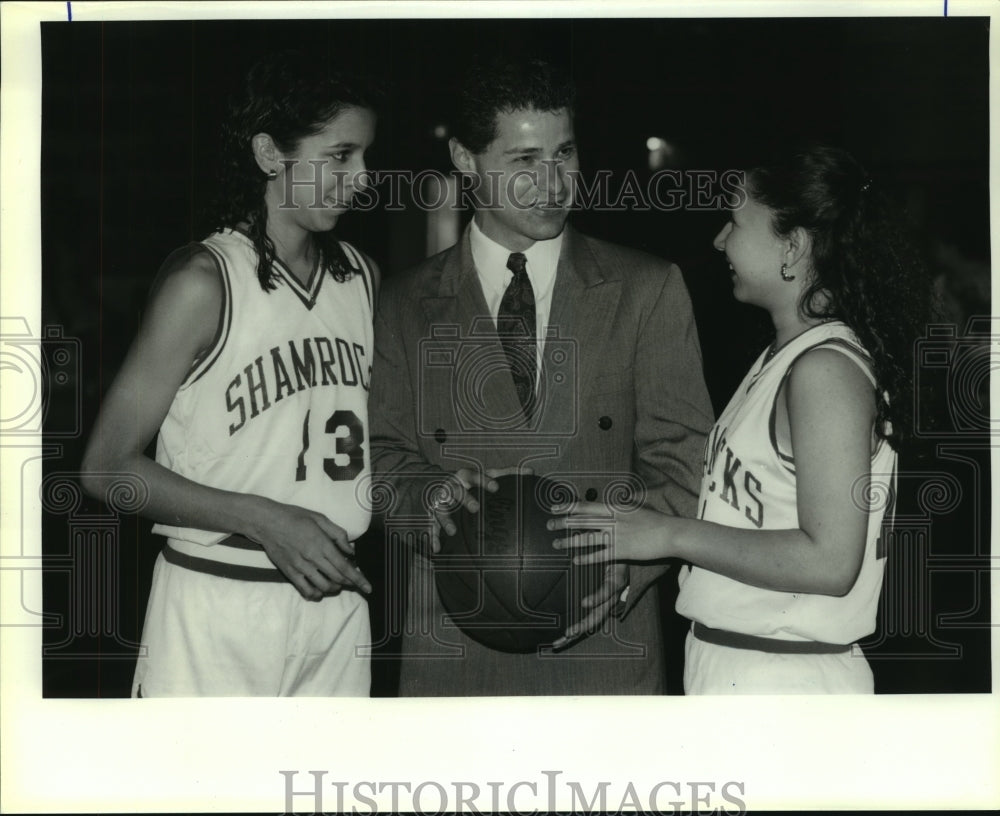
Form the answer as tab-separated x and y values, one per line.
623	407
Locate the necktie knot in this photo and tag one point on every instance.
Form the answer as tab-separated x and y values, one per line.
518	264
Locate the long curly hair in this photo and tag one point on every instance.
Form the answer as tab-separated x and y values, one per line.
288	97
865	271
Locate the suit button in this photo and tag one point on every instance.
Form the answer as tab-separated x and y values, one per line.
440	436
604	423
591	494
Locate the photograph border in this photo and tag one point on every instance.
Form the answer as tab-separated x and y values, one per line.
913	752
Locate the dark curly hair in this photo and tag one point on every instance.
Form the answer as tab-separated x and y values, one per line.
866	273
504	85
289	97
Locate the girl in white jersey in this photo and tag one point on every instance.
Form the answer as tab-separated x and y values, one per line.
785	558
253	363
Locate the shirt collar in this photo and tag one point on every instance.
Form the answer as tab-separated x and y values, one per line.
490	259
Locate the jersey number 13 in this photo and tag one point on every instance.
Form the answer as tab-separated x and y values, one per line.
351	446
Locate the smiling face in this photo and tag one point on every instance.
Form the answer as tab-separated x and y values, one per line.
525	177
316	181
755	255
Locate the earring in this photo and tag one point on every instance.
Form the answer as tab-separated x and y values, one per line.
784	273
272	175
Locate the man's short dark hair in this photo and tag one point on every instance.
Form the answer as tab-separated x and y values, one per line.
494	87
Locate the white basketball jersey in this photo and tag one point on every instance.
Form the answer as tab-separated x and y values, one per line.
278	406
749	483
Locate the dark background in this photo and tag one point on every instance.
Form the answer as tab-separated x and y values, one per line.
130	126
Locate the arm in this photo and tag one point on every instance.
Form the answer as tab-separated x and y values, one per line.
824	555
673	413
396	457
179	325
392	414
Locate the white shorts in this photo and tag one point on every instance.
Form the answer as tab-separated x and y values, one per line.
207	636
713	669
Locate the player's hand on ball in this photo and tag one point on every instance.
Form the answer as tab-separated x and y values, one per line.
458	492
635	534
311	551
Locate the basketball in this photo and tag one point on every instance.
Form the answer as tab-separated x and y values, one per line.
499	577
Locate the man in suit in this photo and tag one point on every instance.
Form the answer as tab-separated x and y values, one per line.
611	393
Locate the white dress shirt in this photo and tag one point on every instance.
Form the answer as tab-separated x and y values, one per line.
491	266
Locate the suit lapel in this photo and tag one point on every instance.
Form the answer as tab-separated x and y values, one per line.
455	297
458	308
585	297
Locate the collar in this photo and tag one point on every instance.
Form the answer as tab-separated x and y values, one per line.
490	259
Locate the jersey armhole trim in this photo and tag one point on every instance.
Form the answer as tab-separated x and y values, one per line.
787	461
361	266
202	365
845	347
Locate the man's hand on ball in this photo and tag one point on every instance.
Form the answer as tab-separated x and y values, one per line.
601	604
458	492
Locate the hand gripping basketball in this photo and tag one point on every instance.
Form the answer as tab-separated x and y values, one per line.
498	576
